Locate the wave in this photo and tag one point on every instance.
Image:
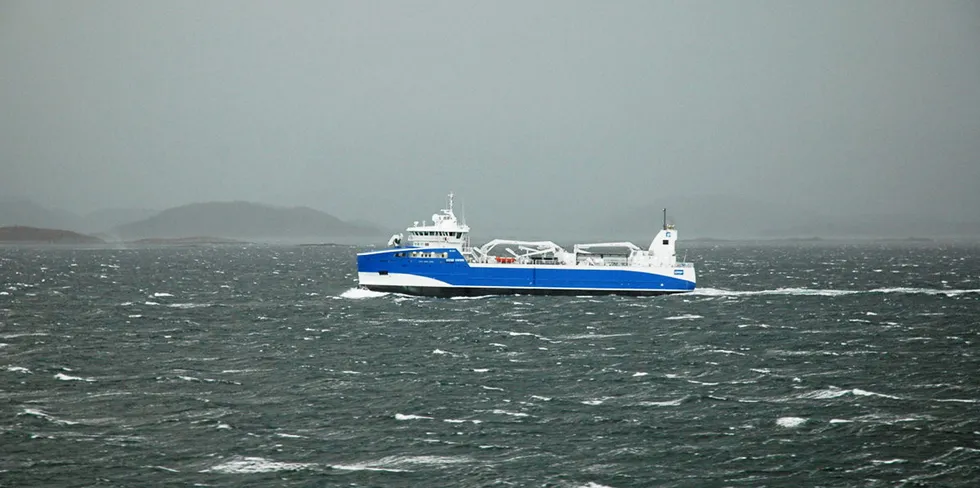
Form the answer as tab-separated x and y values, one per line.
790	422
358	293
720	292
248	465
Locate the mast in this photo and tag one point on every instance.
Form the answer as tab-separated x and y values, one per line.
665	219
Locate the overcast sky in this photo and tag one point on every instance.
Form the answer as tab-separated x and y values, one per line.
376	109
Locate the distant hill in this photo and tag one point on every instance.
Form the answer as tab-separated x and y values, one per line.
33	235
244	221
110	218
184	241
27	213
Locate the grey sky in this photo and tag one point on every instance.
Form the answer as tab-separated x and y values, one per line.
375	109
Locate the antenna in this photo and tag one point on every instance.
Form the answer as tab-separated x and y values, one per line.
665	219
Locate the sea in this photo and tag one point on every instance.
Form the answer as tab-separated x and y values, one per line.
792	364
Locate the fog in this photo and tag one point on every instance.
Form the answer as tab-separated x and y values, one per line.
541	116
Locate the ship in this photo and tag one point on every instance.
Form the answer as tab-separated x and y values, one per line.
437	259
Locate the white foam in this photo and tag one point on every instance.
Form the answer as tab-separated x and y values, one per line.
189	305
592	484
889	461
481	370
359	293
248	465
399	416
543	399
958	400
593	402
841	421
832	392
46	416
64	377
18	369
494	388
640	374
667	403
593	336
397	464
162	294
716	292
860	392
725	351
512	414
790	422
684	317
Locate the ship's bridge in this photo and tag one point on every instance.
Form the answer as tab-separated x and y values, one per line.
445	230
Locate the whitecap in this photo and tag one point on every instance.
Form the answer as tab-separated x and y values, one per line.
832	392
189	305
18	369
725	351
684	317
543	399
481	370
358	293
46	416
790	422
398	464
889	461
666	403
399	416
64	377
248	465
860	392
162	294
640	374
512	414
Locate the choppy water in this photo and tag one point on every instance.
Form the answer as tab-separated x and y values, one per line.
791	366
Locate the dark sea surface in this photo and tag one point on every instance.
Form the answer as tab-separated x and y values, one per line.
791	365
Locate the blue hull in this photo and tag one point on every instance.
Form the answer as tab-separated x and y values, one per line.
448	274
